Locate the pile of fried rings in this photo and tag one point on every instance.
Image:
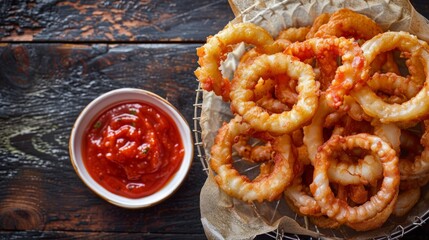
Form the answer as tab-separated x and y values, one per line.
340	128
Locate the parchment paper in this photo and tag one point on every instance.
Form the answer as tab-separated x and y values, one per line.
224	217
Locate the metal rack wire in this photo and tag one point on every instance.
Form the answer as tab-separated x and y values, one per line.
396	233
197	128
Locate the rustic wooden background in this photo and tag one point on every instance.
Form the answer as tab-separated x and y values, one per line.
57	56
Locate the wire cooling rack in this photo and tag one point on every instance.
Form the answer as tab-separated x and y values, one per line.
396	233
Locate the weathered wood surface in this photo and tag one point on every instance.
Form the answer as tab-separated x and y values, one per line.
56	57
39	189
121	20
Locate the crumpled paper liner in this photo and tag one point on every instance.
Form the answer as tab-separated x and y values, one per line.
224	217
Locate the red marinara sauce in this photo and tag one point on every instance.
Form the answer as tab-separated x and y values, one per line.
133	149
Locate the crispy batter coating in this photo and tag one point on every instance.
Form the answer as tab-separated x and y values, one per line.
211	53
269	187
340	210
350	74
347	23
415	108
242	95
294	34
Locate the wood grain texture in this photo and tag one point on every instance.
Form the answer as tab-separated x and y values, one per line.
120	20
39	189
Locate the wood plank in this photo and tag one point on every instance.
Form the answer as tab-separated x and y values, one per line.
102	21
39	189
96	235
124	21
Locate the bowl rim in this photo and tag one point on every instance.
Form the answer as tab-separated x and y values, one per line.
183	128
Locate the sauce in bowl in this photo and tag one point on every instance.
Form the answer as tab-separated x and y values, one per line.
133	149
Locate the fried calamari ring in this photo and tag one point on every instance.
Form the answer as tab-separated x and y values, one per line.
416	107
264	171
294	34
242	95
384	63
271	94
297	195
313	133
354	110
395	85
264	87
347	23
350	74
299	199
272	105
366	170
357	193
239	186
254	152
264	96
351	126
416	70
211	53
303	155
284	90
377	221
340	172
327	67
318	22
390	64
338	209
389	132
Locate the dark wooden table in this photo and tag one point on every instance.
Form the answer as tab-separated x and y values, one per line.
57	56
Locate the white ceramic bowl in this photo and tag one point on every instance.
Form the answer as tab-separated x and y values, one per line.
108	100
